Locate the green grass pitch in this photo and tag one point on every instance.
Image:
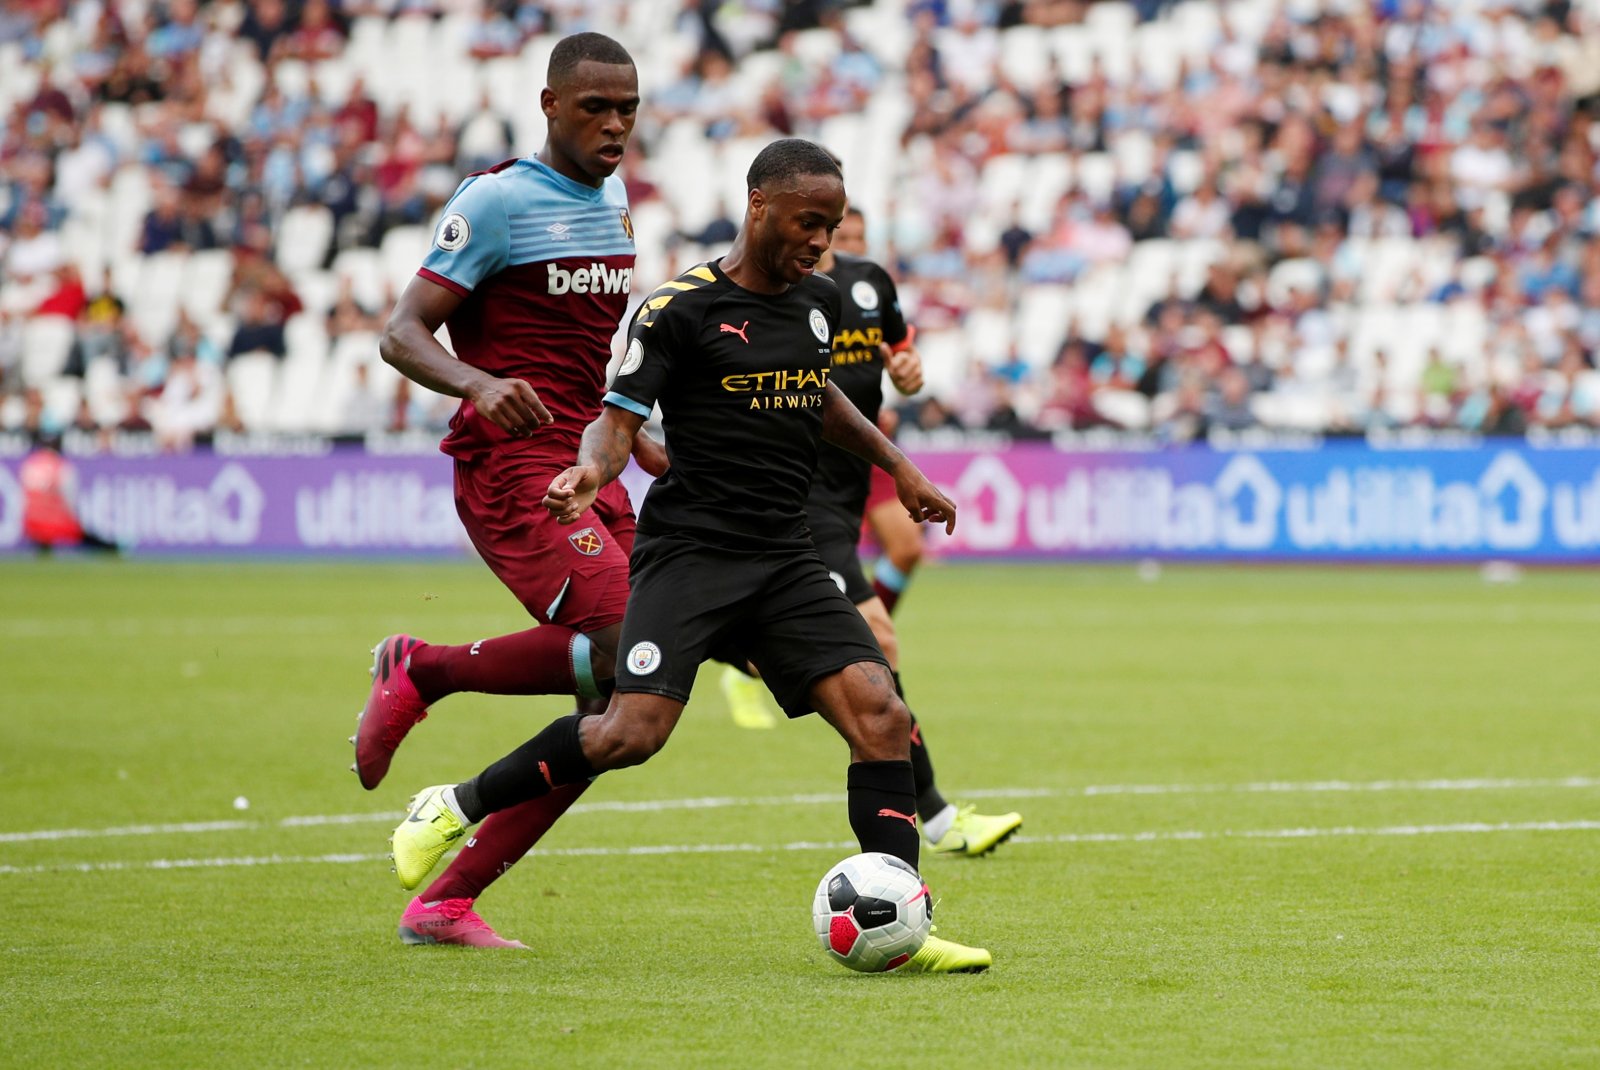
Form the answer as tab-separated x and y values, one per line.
1275	818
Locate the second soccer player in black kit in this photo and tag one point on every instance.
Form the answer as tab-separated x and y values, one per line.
871	338
738	354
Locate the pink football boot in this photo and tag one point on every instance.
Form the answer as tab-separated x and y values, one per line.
449	921
393	706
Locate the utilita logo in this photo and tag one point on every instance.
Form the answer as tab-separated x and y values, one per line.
594	279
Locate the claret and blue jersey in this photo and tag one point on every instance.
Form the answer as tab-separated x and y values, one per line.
544	265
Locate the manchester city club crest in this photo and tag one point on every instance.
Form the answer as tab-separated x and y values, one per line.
819	325
627	222
587	542
644	658
865	295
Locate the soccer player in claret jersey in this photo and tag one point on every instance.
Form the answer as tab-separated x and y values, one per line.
871	337
738	353
530	268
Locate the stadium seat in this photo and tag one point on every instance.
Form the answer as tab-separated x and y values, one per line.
1127	409
364	269
294	407
1025	55
253	382
944	361
1047	180
46	343
1074	53
303	237
205	279
338	377
403	250
1097	176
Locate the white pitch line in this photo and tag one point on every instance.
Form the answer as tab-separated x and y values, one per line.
833	798
1464	828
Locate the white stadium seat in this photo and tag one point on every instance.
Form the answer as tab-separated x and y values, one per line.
253	382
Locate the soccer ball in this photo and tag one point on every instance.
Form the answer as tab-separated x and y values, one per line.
872	912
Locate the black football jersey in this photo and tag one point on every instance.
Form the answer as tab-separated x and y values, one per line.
869	316
740	378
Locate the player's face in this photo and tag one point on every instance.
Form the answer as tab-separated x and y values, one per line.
591	118
851	237
794	225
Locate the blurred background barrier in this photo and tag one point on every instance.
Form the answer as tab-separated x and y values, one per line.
1343	501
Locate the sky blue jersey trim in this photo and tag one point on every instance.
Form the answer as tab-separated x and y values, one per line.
614	398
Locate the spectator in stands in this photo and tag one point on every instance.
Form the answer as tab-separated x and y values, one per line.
260	326
265	23
10	351
494	34
189	341
189	404
163	224
317	36
1227	407
67	298
32	259
348	316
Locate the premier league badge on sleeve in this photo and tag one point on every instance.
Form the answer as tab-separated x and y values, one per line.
632	359
454	232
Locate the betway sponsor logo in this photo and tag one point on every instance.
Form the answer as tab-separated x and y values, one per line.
594	279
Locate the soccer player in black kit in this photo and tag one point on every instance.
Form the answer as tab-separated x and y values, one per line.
738	353
872	337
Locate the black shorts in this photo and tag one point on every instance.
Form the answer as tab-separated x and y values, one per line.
837	544
777	608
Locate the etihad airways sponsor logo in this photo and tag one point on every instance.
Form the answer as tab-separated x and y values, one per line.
857	347
594	279
797	379
780	389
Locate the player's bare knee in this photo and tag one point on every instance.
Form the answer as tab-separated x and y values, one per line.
883	726
621	738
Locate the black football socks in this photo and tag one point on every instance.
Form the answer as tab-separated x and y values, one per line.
550	759
929	801
882	803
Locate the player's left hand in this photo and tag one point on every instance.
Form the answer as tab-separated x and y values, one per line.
924	502
904	368
571	492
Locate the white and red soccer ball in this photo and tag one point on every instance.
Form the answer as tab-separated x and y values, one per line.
872	912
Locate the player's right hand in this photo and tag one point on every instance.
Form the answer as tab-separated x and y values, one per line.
511	405
571	492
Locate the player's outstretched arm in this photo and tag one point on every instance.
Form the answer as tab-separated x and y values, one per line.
845	427
607	444
408	343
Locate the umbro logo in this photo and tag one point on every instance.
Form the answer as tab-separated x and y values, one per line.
728	328
559	231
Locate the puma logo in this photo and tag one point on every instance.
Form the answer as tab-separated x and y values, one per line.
910	819
728	328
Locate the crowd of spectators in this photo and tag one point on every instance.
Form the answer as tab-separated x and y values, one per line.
1295	145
